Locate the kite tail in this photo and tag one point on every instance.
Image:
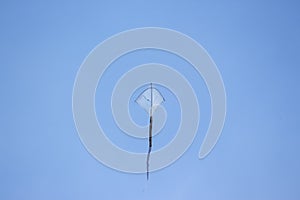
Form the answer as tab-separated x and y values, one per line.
148	158
150	146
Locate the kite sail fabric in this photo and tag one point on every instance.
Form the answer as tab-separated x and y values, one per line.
144	99
150	99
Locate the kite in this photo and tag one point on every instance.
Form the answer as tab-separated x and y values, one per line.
150	99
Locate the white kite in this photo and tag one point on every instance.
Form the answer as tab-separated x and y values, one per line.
150	99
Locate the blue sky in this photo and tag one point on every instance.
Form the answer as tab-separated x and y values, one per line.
255	45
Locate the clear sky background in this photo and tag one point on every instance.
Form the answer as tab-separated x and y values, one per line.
255	45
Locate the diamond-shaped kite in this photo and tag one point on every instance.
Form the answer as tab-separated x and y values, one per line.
150	99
